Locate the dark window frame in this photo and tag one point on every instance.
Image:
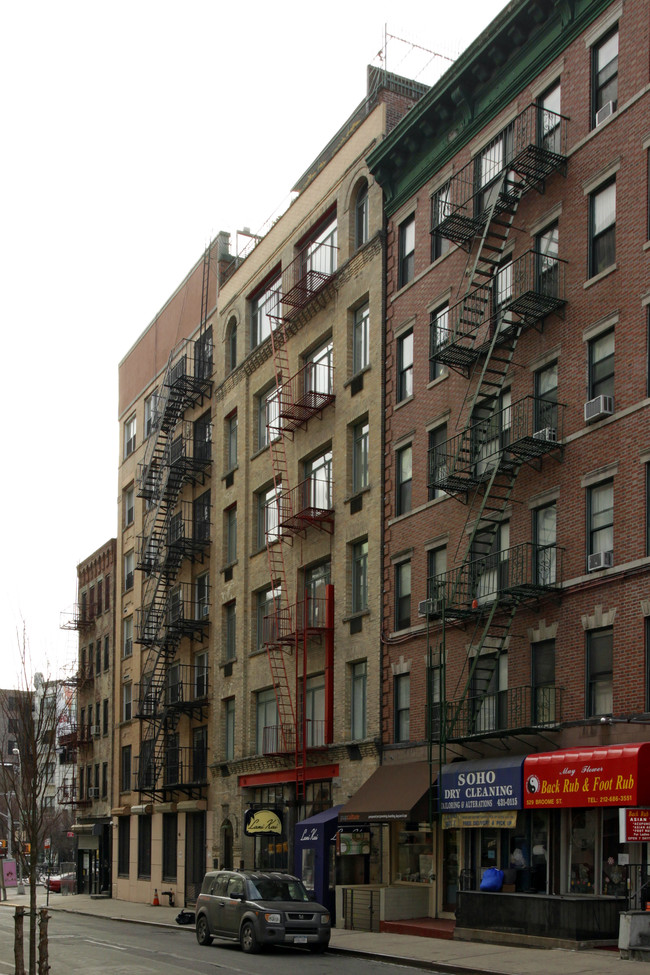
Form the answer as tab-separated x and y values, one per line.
402	711
403	595
405	365
598	87
592	676
406	264
604	239
144	847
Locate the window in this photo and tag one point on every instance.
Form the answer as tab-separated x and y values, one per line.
267	721
550	129
268	417
402	707
404	465
360	576
129	436
491	563
231	442
231	340
544	536
543	676
125	771
647	509
437	460
201	674
203	437
600	698
203	350
315	710
129	566
230	534
602	228
436	569
105	716
107	593
150	413
402	595
320	255
123	845
360	434
144	846
199	754
230	622
318	483
202	596
546	398
405	366
361	216
127	692
169	846
104	792
491	434
490	164
438	335
317	578
601	366
503	292
266	600
361	339
107	655
268	515
440	210
547	248
201	517
98	658
358	680
489	691
319	370
406	251
600	518
127	643
265	304
604	73
229	721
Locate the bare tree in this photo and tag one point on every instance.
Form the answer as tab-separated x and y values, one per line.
29	715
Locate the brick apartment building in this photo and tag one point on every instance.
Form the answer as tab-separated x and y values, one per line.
85	730
248	676
517	450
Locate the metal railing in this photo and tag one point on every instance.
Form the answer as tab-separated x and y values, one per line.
514	709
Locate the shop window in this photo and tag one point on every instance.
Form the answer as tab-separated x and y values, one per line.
144	847
123	845
584	825
169	847
414	855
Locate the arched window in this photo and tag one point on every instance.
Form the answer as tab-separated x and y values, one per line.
361	215
231	342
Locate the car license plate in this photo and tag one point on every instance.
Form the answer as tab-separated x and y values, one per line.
301	940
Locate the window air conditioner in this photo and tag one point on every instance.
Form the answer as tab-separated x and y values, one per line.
548	433
604	112
428	607
599	407
93	793
95	730
600	560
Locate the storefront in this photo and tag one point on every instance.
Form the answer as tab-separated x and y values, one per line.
315	855
569	866
385	842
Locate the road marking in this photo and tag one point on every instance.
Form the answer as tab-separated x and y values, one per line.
104	944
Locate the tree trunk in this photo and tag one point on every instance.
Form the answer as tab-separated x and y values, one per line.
43	966
19	956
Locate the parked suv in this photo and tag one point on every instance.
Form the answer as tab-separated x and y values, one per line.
259	909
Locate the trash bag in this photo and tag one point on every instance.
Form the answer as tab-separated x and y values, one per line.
185	917
492	879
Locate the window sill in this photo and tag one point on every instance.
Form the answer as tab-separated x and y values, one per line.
599	277
231	470
228	663
231	565
403	402
646	246
356	616
356	375
356	494
438	379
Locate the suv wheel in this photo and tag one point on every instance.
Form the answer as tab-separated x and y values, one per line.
248	938
203	935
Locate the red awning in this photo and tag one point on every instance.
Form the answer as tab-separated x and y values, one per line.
615	775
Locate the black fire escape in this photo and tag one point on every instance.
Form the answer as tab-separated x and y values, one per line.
178	454
498	300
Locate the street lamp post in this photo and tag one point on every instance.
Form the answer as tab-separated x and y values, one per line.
21	799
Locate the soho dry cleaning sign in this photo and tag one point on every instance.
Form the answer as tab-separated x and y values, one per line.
481	786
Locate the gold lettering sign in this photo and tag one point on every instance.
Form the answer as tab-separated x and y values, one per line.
262	821
487	820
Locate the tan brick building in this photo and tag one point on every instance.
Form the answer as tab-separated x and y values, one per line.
249	550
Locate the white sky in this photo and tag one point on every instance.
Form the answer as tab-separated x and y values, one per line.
132	133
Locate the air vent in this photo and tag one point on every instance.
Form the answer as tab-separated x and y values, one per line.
230	479
356	385
356	504
93	793
600	560
548	433
604	112
95	730
598	408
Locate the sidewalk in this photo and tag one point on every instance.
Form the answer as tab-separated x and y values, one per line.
430	954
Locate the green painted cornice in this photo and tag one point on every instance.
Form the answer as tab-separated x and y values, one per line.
516	47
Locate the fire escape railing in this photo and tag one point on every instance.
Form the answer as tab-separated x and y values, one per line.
516	709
